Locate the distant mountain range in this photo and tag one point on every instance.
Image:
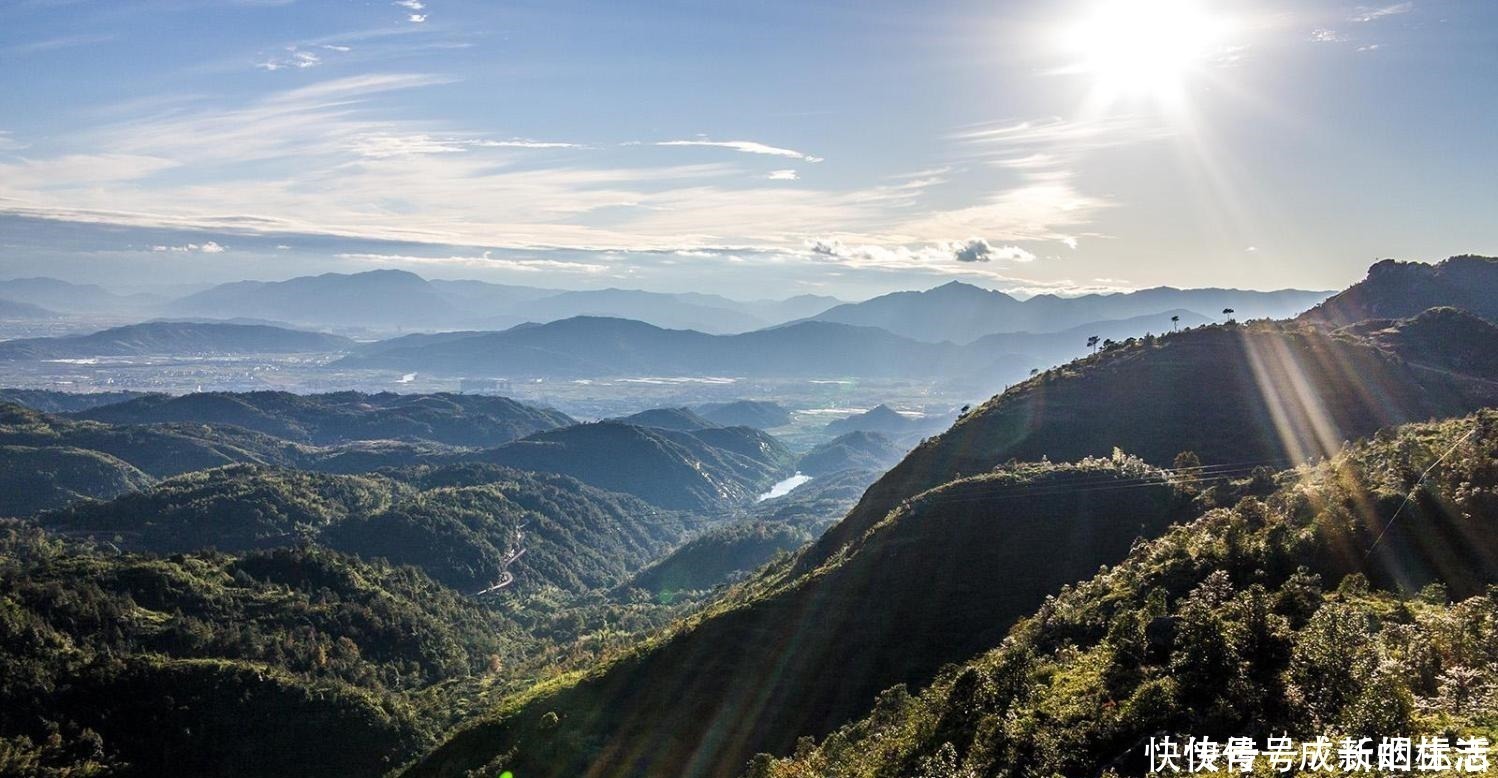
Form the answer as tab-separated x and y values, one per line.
385	301
174	338
962	313
592	346
398	300
10	310
83	299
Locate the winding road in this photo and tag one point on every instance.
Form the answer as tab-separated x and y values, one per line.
505	576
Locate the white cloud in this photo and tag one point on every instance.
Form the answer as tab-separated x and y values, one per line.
1323	35
380	145
1032	141
416	18
744	146
337	48
1368	14
294	59
209	247
9	143
980	250
79	170
1370	47
486	262
972	250
782	175
414	5
324	159
525	143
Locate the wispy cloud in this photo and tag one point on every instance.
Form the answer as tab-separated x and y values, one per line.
526	143
744	146
1368	14
53	44
1063	136
485	262
1324	35
209	247
327	158
294	58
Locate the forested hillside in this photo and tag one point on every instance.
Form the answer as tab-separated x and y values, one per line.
275	663
1237	395
687	470
1197	630
1291	613
799	655
325	419
458	524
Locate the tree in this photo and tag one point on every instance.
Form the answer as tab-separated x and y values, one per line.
1092	343
1175	323
1228	312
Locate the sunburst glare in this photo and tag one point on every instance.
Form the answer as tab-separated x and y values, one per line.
1136	50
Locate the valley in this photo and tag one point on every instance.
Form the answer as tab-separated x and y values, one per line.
754	574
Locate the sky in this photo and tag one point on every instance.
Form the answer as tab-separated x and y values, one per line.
753	149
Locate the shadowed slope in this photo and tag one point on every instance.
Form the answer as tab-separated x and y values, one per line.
942	578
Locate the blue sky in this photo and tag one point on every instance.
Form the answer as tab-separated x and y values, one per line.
751	149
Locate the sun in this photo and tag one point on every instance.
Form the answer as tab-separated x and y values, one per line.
1135	49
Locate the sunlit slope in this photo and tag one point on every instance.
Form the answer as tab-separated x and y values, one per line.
942	578
1237	395
1396	290
1244	623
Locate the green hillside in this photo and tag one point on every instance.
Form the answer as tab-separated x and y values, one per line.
276	663
35	479
798	656
324	419
458	524
697	470
160	451
1398	290
852	451
1237	395
1257	619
